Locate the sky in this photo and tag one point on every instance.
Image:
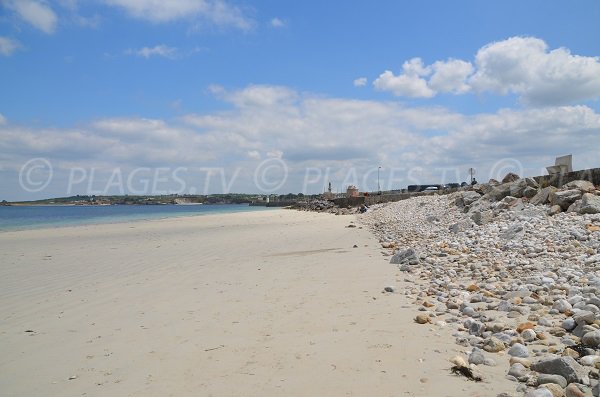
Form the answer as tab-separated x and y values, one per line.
214	96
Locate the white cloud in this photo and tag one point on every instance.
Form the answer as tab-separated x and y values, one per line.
254	154
217	12
2	119
524	66
37	13
410	83
277	23
158	50
519	65
8	46
450	76
258	96
360	82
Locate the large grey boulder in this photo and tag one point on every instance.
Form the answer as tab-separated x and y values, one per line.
498	192
520	186
483	188
407	257
510	203
529	192
590	204
584	186
510	177
565	198
466	198
575	207
542	195
566	367
479	205
517	187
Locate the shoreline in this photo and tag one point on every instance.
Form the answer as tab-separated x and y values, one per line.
121	218
255	303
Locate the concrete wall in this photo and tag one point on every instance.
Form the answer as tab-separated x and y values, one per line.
375	199
591	175
281	203
344	202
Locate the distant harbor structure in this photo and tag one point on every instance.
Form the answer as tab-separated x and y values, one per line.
352	191
562	165
328	195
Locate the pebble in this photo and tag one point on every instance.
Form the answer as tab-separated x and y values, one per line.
518	350
591	338
555	389
569	324
493	345
476	357
551	378
529	335
541	392
573	391
422	319
518	371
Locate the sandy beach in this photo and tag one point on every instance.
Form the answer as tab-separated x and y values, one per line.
249	304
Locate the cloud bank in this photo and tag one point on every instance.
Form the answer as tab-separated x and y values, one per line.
523	66
344	139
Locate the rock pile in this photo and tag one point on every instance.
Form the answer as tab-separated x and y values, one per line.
514	268
319	205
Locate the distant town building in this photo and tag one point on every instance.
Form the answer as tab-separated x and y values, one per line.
352	191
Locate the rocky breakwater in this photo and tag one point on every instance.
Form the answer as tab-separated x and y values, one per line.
319	205
514	269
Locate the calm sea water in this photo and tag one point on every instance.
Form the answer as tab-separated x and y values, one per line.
35	217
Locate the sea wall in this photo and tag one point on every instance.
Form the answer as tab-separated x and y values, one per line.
591	175
375	199
344	202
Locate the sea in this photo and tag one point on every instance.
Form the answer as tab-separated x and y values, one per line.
49	216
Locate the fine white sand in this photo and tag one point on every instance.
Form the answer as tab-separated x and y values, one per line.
274	303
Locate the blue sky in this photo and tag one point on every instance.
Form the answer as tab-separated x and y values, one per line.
332	90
